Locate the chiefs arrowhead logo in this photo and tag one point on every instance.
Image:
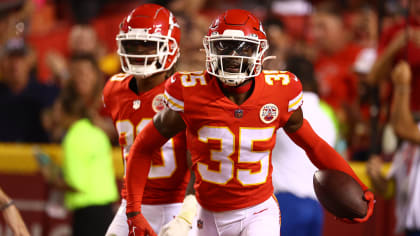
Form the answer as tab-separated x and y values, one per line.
269	113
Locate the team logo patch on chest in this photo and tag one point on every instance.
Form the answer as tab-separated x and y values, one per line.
268	113
158	102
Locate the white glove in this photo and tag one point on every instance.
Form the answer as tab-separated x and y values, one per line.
176	227
181	225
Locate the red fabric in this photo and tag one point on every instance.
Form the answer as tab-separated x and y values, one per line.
229	140
337	82
320	153
410	53
130	113
138	164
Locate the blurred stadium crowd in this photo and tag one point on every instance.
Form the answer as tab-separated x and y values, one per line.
48	47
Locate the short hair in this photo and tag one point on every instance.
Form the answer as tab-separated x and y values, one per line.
77	57
84	57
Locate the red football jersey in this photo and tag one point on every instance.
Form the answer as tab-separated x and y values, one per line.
169	175
231	144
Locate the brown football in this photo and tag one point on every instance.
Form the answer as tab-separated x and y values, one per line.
340	194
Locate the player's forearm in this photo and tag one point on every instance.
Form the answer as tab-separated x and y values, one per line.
383	64
380	69
138	165
3	197
320	153
401	118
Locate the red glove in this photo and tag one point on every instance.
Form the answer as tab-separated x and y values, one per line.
138	226
370	198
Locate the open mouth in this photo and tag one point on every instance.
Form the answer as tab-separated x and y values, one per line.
232	69
232	66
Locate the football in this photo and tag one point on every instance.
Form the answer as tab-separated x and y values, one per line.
340	194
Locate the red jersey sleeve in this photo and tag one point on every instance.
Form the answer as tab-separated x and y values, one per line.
174	93
106	102
294	95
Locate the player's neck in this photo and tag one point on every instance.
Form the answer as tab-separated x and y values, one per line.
238	94
146	84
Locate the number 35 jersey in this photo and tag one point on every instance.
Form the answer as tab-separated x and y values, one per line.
231	144
169	174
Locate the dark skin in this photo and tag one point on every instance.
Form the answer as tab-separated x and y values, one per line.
144	85
169	122
141	47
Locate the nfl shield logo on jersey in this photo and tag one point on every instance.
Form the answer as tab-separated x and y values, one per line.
268	113
136	104
239	113
158	103
200	223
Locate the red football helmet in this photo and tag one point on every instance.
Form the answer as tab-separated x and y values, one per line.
235	46
148	41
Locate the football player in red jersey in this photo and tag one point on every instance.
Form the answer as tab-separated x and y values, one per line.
231	113
148	45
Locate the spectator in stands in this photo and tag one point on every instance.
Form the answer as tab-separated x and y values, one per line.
405	169
360	130
12	216
88	81
279	43
401	42
194	25
82	40
14	18
22	97
88	174
336	55
302	215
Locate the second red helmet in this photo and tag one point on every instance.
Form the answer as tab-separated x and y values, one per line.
148	41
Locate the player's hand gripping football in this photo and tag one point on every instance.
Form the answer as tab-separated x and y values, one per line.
370	198
138	225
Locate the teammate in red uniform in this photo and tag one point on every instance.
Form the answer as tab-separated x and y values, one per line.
148	47
231	113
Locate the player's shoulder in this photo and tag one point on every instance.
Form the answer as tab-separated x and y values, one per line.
116	83
120	77
280	78
188	79
285	86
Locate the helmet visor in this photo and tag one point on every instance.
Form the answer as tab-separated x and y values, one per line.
139	47
140	52
234	47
